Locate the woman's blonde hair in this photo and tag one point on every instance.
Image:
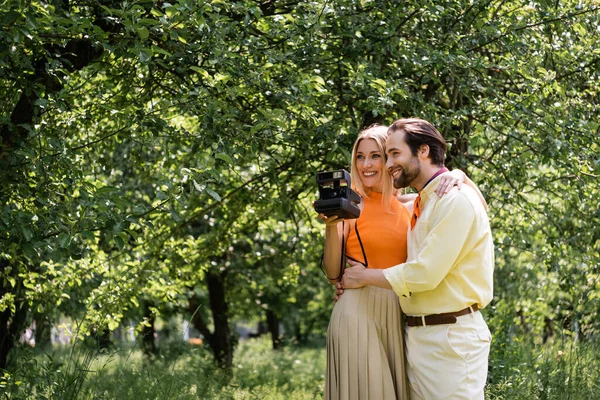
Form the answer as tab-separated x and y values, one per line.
379	134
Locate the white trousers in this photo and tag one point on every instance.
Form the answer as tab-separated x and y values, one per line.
448	361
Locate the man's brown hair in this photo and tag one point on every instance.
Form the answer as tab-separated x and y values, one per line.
419	132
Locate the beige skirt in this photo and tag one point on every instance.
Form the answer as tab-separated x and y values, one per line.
365	347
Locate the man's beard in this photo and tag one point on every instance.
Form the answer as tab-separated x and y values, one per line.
408	174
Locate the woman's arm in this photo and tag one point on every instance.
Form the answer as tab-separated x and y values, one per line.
334	232
407	200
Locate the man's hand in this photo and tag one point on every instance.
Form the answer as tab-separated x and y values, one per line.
357	276
353	275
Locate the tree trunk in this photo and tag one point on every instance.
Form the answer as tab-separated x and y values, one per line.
11	326
273	324
6	341
262	328
43	329
220	340
148	342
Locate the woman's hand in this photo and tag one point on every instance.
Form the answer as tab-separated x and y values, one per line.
330	221
447	181
339	290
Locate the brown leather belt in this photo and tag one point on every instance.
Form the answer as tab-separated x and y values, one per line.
439	319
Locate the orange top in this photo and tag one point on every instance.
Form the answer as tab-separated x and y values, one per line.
383	233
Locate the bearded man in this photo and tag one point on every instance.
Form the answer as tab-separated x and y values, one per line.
448	276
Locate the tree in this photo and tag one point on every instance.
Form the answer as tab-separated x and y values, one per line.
151	151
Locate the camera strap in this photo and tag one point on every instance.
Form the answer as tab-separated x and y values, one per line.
362	248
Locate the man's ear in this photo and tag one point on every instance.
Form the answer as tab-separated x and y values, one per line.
423	152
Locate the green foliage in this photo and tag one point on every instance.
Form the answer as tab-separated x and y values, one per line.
59	375
564	369
180	372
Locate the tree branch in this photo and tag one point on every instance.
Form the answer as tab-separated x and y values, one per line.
529	26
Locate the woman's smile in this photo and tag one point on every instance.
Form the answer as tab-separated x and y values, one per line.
369	161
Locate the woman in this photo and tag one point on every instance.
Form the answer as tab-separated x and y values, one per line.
365	344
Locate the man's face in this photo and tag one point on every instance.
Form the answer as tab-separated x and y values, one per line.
402	165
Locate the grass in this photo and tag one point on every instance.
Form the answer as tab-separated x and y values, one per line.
518	370
562	369
179	372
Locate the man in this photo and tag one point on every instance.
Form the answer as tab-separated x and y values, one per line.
447	277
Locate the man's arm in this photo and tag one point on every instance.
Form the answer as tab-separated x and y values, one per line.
439	252
449	230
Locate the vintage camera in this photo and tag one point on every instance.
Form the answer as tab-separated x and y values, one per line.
336	196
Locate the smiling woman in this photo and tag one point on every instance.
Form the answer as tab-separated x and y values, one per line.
368	170
369	164
365	347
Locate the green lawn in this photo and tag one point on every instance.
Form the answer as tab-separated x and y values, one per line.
554	371
180	372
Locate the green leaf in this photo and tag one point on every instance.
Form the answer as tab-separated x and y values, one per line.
198	186
143	32
29	250
88	235
57	255
64	239
107	190
133	218
112	325
145	54
225	157
149	224
119	242
213	194
176	216
27	233
317	79
171	11
158	50
200	71
156	13
148	22
378	83
10	17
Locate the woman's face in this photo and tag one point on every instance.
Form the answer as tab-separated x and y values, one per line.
369	164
